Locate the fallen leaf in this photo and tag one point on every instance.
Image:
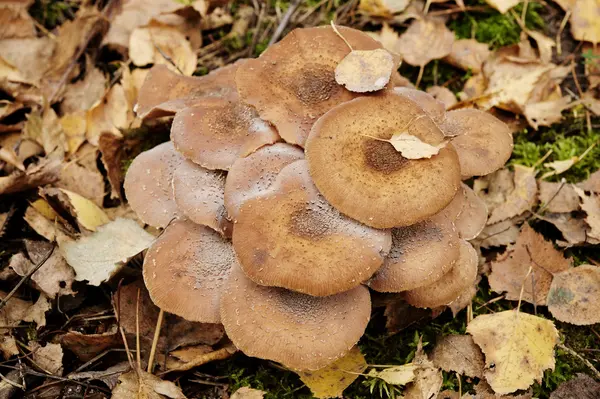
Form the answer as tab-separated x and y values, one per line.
531	251
48	357
8	346
15	21
139	384
584	26
428	378
111	148
582	386
82	181
592	183
25	61
590	204
558	197
89	215
443	94
109	115
387	36
110	376
474	88
574	295
330	381
44	172
544	45
365	70
383	8
88	346
514	341
83	94
45	128
498	235
425	40
502	5
248	393
517	201
574	230
46	226
99	256
411	147
460	354
396	375
468	54
17	310
546	113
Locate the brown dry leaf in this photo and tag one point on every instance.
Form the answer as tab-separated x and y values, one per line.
110	115
387	36
514	341
15	21
574	295
96	258
531	251
591	64
544	45
383	8
83	181
444	95
248	393
88	346
546	113
25	61
498	234
428	378
473	89
44	172
425	40
48	357
111	148
139	384
460	354
45	128
468	54
330	381
8	346
590	204
396	375
18	310
592	183
584	21
49	228
110	376
517	201
365	70
558	197
582	387
573	230
83	94
502	5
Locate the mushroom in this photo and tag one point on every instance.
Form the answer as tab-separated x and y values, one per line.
483	142
199	195
215	132
165	92
451	285
255	173
432	107
290	237
292	83
148	185
185	270
300	331
420	255
468	212
367	179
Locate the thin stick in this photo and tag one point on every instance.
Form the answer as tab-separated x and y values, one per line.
284	21
137	331
578	356
523	289
563	24
155	341
335	29
420	76
459	385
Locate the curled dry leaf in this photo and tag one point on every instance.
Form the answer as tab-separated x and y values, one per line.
590	204
18	310
88	346
48	358
425	40
574	230
396	375
365	70
139	384
546	113
99	256
44	172
517	201
584	23
514	341
574	295
428	378
468	54
460	354
248	393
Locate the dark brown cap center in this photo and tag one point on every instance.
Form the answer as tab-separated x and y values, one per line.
382	156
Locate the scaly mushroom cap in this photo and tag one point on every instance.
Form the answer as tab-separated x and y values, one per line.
435	109
290	237
199	195
293	82
483	142
251	175
165	92
473	216
451	285
300	331
368	179
420	255
215	132
148	185
185	271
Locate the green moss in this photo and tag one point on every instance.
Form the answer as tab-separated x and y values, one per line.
52	13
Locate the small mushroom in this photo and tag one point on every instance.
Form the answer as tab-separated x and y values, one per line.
420	255
293	82
432	107
199	194
367	179
290	237
255	173
148	185
451	285
483	142
300	331
468	212
185	270
215	132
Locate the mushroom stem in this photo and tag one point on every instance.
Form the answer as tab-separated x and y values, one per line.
337	32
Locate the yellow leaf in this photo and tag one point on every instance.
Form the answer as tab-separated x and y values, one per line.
383	8
502	5
43	207
518	347
74	126
88	214
365	70
584	22
330	381
397	375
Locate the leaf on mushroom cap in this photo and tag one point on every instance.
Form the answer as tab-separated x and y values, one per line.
289	88
468	54
451	285
483	142
185	270
148	185
425	40
290	237
574	295
361	175
255	173
300	331
199	195
365	70
165	92
420	255
215	132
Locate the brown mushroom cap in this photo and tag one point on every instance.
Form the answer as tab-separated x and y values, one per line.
420	255
255	173
368	179
293	82
148	185
451	285
300	331
199	194
165	92
435	109
290	237
185	271
473	216
215	132
483	142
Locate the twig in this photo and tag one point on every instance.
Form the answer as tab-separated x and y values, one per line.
10	382
578	356
155	341
137	330
337	32
523	289
259	20
420	76
284	21
219	354
561	28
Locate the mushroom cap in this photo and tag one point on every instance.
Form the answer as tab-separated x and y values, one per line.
255	173
148	185
185	270
290	237
473	216
293	82
300	331
368	179
199	195
165	92
451	285
215	132
420	255
434	108
483	142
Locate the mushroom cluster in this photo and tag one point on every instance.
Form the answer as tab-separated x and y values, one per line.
283	200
